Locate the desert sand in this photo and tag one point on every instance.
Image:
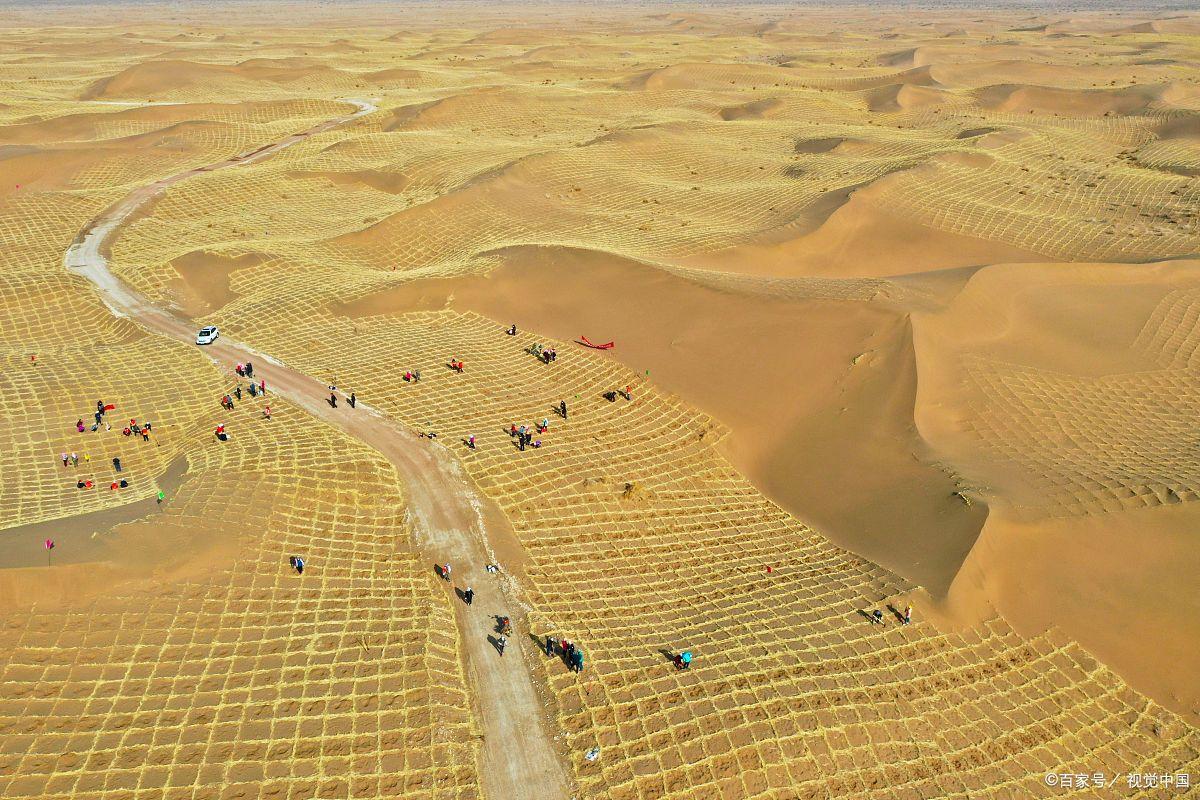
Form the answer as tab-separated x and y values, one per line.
907	302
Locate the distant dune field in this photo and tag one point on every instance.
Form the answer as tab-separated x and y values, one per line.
906	302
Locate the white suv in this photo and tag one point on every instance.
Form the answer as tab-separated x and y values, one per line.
207	335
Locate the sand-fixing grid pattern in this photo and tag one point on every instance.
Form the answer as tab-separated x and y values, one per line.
1091	428
247	680
234	681
429	188
641	536
1033	418
62	349
643	540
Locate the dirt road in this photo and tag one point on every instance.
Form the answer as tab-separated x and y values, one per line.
452	521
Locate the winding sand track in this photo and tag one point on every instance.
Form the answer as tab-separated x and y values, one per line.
450	517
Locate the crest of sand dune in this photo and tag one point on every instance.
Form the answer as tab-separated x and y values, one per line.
753	110
151	79
906	303
1066	391
1093	102
903	97
859	237
177	78
1050	319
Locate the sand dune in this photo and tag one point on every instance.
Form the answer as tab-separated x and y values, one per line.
1180	96
1051	100
35	169
863	237
912	57
204	280
858	351
152	79
1048	401
1034	67
917	76
93	126
407	78
1169	25
155	79
906	303
96	126
402	116
679	348
392	183
687	77
516	36
694	22
819	145
1181	127
903	97
756	109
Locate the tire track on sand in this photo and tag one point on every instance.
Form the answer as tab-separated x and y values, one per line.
452	521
